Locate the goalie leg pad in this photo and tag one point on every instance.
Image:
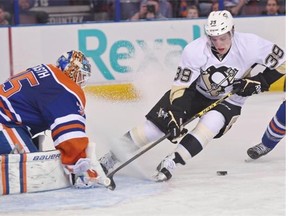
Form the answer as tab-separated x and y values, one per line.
32	172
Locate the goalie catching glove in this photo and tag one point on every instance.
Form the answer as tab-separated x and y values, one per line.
83	176
250	86
176	121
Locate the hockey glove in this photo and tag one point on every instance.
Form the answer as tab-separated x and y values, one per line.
250	86
175	127
82	176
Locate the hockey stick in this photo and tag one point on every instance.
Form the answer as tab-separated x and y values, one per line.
112	185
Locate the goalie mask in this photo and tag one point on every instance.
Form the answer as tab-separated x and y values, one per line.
76	66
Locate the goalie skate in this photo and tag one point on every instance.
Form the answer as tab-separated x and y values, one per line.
258	151
165	169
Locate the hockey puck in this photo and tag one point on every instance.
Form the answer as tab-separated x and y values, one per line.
222	173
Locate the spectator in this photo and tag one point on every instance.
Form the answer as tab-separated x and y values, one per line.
252	8
149	10
25	5
4	16
272	8
29	17
205	6
192	12
182	7
102	9
6	4
166	8
215	6
128	8
234	6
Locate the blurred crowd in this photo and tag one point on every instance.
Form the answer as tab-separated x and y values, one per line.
79	11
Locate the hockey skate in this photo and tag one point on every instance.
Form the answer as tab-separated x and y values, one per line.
258	151
108	162
165	169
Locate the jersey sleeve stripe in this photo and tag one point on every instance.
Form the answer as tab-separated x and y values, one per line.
67	128
68	136
7	111
67	119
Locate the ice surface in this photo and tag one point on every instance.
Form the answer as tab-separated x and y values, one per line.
250	189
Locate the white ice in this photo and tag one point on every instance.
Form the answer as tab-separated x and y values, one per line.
250	189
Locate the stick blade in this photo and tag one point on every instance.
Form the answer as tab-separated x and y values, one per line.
112	184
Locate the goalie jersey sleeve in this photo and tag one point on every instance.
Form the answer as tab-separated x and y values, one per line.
43	98
214	77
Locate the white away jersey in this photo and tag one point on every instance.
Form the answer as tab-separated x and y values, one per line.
214	78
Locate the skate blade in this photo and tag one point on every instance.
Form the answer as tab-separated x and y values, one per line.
249	160
159	177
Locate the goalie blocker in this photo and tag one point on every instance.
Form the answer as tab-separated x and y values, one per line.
33	172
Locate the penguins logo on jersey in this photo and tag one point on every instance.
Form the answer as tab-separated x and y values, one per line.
162	113
217	79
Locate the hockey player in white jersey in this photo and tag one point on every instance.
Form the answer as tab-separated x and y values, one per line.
210	67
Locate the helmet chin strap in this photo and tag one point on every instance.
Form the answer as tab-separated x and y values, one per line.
216	53
213	48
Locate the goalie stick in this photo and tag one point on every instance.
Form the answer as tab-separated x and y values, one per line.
112	185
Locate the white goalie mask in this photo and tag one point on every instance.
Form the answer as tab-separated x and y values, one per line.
219	23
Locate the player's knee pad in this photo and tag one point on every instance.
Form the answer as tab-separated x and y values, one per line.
144	134
230	112
208	127
227	126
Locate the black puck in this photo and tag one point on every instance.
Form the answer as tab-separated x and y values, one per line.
222	173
